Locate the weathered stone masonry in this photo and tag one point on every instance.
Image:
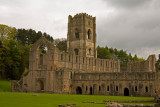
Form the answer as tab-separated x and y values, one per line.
79	71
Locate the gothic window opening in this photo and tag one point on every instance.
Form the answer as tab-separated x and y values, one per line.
91	91
89	51
89	34
76	33
146	89
43	49
76	51
95	62
99	88
86	88
136	89
107	88
116	88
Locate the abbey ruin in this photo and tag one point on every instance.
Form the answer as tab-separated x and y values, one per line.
79	71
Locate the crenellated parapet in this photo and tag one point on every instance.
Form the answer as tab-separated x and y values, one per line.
79	15
81	37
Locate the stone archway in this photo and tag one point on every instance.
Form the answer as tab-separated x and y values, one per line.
78	90
40	85
126	92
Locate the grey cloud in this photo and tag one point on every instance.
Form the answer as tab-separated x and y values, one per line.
126	3
132	25
136	30
14	3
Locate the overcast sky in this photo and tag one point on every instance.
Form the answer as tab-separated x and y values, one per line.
132	25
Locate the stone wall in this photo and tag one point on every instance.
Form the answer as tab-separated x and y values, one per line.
142	66
68	72
137	83
82	35
87	64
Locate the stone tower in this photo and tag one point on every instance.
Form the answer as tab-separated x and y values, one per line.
81	37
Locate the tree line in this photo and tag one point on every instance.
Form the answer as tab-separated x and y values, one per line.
15	45
115	54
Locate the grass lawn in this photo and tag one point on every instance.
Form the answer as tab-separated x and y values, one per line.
12	99
5	85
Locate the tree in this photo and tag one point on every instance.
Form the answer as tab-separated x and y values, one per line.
2	59
26	37
130	57
62	45
6	33
103	53
12	62
121	55
135	57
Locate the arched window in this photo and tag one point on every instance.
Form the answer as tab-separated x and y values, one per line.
76	33
146	89
86	88
136	88
116	88
99	88
89	34
91	91
107	88
89	51
76	51
43	49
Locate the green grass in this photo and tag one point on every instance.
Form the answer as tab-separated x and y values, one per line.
52	100
12	99
5	86
146	103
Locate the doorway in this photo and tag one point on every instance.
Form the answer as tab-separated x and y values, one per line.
40	85
126	92
78	90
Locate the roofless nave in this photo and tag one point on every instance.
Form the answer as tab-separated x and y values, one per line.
79	71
